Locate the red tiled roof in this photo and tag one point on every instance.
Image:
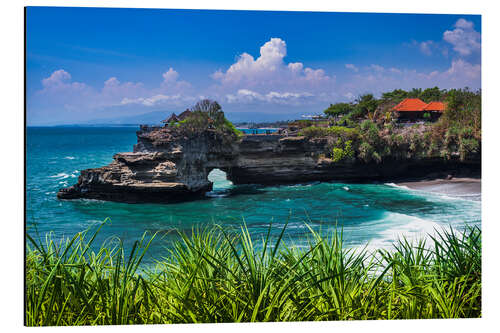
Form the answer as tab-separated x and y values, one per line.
435	106
410	104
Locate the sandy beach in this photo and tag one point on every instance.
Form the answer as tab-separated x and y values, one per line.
469	188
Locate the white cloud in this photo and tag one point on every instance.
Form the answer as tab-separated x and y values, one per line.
352	67
171	83
60	90
58	77
286	98
464	24
269	72
154	100
170	76
60	81
464	38
462	69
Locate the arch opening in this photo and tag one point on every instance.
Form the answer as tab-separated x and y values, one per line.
219	179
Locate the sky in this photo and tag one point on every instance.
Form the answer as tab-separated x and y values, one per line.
88	64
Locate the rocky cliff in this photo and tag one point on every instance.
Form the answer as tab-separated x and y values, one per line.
168	167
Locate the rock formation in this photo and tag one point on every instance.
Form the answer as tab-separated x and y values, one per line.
167	167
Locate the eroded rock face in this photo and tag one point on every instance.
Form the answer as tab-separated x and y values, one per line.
166	167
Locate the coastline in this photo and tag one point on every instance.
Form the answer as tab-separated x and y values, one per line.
465	187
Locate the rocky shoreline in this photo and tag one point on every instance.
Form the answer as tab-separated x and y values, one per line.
166	167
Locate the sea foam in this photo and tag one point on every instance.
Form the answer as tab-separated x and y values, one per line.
394	226
61	175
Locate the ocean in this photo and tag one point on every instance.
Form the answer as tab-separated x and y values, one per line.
373	214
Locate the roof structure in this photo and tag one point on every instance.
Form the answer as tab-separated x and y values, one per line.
435	106
416	104
410	104
173	117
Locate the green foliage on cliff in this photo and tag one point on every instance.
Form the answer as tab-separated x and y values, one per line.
207	115
337	131
376	134
342	151
212	276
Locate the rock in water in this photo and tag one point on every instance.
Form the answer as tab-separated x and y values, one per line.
167	166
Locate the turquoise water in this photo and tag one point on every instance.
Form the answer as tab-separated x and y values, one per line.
374	213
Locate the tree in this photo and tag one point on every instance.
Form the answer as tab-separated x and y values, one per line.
365	104
397	95
212	109
339	109
415	93
431	94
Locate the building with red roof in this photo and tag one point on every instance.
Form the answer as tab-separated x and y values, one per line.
410	105
435	106
414	108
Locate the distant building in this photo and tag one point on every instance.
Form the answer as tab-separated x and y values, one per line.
415	108
174	118
184	115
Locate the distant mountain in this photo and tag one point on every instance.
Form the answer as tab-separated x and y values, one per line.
149	118
155	117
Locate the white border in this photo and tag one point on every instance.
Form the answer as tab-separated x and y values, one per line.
11	88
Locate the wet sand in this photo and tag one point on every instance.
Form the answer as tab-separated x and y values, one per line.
458	187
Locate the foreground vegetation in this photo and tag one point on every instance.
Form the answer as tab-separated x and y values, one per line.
213	276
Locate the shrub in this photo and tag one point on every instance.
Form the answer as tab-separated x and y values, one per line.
314	132
468	147
335	131
340	153
366	152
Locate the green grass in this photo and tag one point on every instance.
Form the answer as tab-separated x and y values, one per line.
213	276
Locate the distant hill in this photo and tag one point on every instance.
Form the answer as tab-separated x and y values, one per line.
149	118
155	117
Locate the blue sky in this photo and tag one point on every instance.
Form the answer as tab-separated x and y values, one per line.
90	63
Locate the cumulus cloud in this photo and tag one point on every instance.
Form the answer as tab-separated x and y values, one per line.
171	83
60	80
462	69
60	90
464	38
170	76
269	72
58	77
